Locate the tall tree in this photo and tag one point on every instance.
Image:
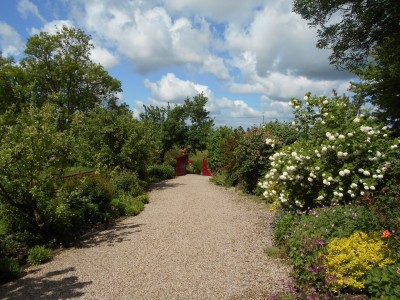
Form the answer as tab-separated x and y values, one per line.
352	29
364	36
200	123
61	71
12	85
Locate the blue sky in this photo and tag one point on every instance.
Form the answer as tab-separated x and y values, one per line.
248	57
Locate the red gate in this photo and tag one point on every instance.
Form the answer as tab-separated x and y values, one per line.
180	168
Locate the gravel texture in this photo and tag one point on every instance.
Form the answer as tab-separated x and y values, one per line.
194	240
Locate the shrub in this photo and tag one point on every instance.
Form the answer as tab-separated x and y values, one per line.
38	255
221	178
306	238
161	172
126	205
127	182
349	258
9	269
79	204
171	155
384	283
216	138
195	166
134	207
282	226
252	154
345	155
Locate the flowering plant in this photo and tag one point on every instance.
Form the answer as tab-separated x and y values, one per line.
344	153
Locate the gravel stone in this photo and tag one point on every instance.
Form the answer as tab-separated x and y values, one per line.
194	240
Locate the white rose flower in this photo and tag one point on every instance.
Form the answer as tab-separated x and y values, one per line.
366	173
341	136
325	102
305	98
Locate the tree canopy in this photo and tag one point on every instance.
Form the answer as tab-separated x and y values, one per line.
352	29
61	72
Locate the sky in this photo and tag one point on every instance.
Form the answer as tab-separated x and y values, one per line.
248	57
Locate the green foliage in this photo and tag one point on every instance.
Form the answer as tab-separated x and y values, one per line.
282	226
39	255
126	182
109	139
306	239
32	158
252	155
351	29
284	132
378	84
221	178
9	269
126	205
80	203
384	283
161	172
61	72
171	155
200	123
344	156
349	258
215	140
183	126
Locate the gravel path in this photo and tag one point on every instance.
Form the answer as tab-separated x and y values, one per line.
194	240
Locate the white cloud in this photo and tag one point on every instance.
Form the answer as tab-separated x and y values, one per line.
104	57
10	40
26	7
220	11
52	27
149	37
174	90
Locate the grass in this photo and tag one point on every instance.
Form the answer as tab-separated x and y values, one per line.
71	171
275	252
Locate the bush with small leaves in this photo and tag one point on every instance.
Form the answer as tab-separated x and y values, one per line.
38	255
384	283
348	260
9	269
161	172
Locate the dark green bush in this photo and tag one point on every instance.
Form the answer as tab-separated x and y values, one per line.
252	157
9	269
171	155
127	182
80	203
126	205
384	283
161	172
38	255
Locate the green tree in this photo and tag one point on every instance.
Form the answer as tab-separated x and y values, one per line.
380	84
352	29
61	72
12	85
32	158
200	123
112	138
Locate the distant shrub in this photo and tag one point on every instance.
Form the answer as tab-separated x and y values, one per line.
9	269
171	155
348	259
38	255
127	182
195	166
161	172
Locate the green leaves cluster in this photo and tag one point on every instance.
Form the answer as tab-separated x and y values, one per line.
365	39
183	126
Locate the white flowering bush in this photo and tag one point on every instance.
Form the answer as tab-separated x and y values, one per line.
344	153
